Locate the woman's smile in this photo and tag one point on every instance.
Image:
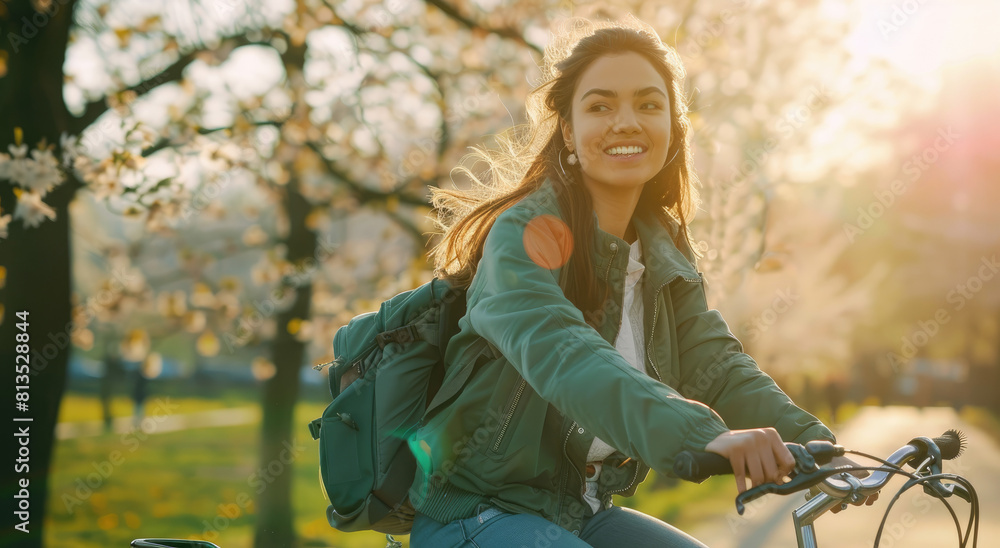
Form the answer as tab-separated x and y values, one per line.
626	154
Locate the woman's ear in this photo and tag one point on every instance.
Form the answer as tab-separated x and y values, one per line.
567	134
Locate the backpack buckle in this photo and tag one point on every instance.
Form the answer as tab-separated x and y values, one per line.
402	335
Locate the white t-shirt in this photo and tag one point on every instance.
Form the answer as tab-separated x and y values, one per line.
631	346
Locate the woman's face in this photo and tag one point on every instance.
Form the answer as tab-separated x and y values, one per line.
620	101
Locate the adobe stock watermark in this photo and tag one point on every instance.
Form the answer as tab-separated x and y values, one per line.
694	45
899	16
958	297
258	481
920	505
426	147
206	194
913	169
462	449
785	128
263	309
86	486
751	511
31	27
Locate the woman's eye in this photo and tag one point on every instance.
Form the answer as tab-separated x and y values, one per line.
655	105
595	107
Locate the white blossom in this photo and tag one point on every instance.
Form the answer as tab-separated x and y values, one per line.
46	172
105	185
19	170
37	174
70	146
32	210
20	152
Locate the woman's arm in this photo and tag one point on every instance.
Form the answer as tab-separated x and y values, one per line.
519	307
716	371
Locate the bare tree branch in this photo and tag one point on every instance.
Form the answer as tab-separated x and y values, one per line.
172	73
363	193
166	143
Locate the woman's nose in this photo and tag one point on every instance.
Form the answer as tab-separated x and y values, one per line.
625	120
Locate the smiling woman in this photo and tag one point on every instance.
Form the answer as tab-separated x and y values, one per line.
603	361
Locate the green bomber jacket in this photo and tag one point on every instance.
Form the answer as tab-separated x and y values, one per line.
540	383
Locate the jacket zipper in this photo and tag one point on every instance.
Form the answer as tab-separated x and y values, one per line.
607	277
652	331
634	475
510	414
565	443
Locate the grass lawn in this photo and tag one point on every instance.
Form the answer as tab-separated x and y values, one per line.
80	407
109	489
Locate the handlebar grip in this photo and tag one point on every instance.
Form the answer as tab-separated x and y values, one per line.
951	444
697	466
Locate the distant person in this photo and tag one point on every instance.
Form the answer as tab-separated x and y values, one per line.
580	254
140	389
112	369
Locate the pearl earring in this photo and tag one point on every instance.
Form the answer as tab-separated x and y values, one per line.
571	159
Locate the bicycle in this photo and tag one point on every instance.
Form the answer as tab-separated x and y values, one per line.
699	466
836	486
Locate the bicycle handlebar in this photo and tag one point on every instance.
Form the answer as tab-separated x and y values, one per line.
697	466
923	454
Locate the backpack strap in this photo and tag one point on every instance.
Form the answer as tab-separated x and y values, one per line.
453	308
397	482
401	335
457	383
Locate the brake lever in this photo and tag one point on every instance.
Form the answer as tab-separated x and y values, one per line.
807	473
936	488
798	483
939	490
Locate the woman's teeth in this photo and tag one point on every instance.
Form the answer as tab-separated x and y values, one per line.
623	151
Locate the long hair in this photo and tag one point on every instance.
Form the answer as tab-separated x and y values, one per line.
529	153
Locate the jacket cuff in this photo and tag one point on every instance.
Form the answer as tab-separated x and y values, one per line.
698	439
815	432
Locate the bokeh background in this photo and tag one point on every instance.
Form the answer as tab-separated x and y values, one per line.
195	195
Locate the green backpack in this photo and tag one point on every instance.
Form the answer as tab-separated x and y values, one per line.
387	366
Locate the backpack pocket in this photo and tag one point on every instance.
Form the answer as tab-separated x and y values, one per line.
346	447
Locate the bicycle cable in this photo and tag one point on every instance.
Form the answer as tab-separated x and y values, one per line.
915	480
883	461
973	512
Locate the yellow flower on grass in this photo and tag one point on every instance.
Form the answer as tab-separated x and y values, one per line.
208	344
132	520
108	521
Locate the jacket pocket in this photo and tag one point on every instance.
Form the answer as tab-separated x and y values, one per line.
514	402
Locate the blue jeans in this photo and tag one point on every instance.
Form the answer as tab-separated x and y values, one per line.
615	527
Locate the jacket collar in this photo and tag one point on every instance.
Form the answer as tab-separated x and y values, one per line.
663	260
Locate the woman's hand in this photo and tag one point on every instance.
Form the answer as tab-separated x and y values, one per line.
837	462
757	453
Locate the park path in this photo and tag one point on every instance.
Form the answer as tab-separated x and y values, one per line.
160	422
916	520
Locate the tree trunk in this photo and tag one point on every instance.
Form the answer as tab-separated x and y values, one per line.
279	449
37	262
